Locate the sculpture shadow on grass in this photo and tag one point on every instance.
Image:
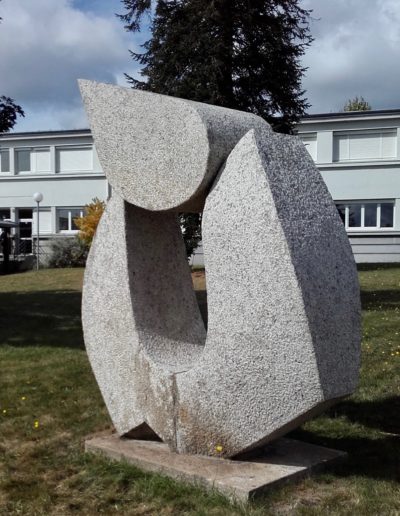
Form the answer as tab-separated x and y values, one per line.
43	318
377	457
377	266
368	457
50	318
380	414
380	299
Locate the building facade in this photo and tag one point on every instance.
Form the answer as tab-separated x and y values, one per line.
357	153
64	167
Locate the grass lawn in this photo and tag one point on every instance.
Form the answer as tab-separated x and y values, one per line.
49	403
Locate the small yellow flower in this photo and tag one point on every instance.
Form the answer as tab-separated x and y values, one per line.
36	424
23	398
218	448
4	411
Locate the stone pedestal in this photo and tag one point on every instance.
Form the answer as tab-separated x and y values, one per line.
284	460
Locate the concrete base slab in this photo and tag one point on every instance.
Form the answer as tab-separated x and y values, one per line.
284	460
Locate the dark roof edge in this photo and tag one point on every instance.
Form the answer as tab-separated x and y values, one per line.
59	132
316	116
351	114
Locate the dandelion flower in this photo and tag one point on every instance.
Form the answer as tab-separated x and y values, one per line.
36	424
218	448
23	398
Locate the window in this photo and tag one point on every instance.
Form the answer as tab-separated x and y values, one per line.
65	218
4	160
310	142
366	145
23	160
74	158
33	160
366	215
25	213
5	213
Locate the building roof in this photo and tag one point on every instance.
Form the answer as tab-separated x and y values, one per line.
376	113
317	117
43	134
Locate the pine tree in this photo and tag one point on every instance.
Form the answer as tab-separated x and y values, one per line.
8	112
240	54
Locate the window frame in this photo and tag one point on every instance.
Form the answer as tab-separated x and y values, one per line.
362	227
355	132
68	231
73	146
32	162
9	213
5	149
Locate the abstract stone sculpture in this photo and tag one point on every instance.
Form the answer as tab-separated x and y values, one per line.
283	337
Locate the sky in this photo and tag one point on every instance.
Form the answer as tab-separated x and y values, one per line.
46	45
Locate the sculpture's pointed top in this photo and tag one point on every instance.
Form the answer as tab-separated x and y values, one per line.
160	152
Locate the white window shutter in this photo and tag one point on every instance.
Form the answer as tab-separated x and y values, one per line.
74	159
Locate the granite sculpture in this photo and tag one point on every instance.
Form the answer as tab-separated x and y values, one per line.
283	338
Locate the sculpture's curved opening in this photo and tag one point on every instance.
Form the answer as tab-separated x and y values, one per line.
168	320
200	291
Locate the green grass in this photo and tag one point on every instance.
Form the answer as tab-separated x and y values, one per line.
45	379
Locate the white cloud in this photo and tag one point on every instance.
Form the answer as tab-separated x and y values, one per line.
45	46
355	52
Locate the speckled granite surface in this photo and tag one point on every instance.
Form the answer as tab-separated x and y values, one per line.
283	339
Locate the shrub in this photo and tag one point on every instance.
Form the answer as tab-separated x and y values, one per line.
88	223
68	252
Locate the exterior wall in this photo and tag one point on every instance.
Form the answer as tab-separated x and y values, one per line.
363	180
376	249
63	184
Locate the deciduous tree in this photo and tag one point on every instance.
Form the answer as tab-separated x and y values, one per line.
8	113
87	224
357	104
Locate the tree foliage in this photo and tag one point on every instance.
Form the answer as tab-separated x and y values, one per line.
8	112
87	224
357	104
232	53
68	252
191	230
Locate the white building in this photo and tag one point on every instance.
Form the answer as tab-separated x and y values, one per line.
63	166
357	153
